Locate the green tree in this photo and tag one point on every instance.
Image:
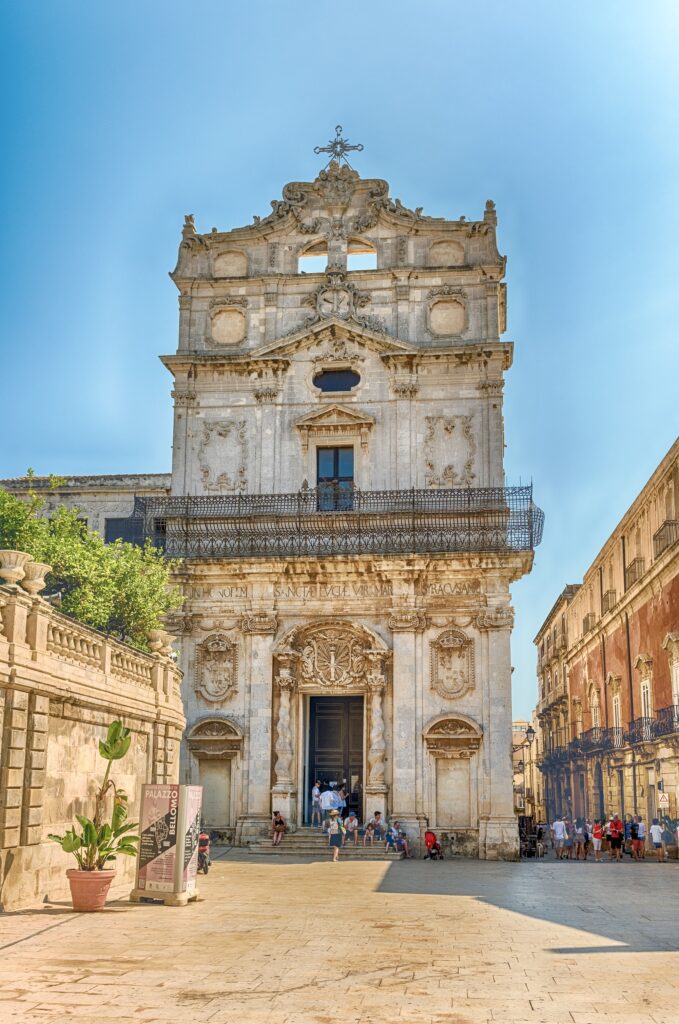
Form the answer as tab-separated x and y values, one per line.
119	588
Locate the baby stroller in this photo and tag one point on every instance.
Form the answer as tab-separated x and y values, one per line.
434	851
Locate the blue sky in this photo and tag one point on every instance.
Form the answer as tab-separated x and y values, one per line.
119	118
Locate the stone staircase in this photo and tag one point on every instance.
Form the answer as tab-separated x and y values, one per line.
312	843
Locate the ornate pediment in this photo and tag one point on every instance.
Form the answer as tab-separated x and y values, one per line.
215	738
324	333
333	421
452	736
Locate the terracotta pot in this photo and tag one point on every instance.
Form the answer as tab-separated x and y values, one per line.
34	577
12	565
89	889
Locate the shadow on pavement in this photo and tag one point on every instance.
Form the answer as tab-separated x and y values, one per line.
630	904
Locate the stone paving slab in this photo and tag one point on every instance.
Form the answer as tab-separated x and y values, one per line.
281	942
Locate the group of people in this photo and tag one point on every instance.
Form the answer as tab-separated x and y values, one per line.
341	830
574	839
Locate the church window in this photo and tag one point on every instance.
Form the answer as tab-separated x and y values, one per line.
336	380
335	477
314	260
361	255
127	529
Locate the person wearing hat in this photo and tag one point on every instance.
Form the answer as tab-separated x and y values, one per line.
335	832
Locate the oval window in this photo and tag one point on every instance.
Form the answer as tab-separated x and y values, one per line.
336	380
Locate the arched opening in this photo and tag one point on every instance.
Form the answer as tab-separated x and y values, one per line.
361	255
314	259
336	380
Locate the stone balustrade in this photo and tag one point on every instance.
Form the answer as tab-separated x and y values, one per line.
61	683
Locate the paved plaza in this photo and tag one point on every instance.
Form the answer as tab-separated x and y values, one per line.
284	942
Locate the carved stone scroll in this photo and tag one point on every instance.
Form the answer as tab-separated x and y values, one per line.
259	622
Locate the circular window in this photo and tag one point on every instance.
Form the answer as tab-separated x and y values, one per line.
336	380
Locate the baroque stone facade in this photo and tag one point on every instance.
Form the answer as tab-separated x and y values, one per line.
61	684
337	494
608	668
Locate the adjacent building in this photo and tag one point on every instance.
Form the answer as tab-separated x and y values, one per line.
608	668
337	495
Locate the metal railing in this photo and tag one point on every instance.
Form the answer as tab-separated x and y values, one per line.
634	572
613	738
592	739
641	729
664	537
366	522
667	720
608	601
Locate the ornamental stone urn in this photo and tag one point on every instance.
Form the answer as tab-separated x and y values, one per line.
12	565
34	577
160	641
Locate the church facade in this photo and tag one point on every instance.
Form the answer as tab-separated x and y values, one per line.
337	497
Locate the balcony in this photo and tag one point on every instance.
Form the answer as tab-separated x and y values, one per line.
561	642
641	730
364	522
665	537
608	601
634	572
667	720
592	739
613	738
588	623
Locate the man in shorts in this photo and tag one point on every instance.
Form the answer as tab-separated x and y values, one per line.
656	839
637	838
559	837
616	831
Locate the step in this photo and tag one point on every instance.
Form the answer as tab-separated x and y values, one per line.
321	852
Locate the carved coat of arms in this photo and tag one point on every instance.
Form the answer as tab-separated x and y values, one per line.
216	669
332	657
452	664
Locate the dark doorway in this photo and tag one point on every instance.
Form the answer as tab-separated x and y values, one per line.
336	747
335	479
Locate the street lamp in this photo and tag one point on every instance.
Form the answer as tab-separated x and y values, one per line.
530	736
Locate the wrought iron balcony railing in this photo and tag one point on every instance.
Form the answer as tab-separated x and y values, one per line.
667	720
592	739
360	522
608	601
664	537
641	730
634	572
613	738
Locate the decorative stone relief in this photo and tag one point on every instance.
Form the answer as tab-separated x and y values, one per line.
333	421
377	748
406	621
671	645
449	451
452	664
228	319
333	657
405	387
224	443
215	738
453	737
216	669
644	666
495	618
340	299
337	350
259	622
283	745
446	311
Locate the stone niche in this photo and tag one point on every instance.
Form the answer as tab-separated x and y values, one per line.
446	317
228	326
446	254
231	264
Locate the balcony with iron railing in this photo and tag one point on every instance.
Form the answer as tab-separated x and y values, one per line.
561	642
667	720
592	739
665	537
641	730
613	738
634	572
320	521
608	601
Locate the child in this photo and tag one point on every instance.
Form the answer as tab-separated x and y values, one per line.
278	828
369	834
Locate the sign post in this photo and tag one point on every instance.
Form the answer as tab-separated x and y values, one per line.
167	861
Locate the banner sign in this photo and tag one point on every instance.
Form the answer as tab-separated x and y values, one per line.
169	828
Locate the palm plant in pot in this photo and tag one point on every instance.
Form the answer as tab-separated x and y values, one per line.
98	842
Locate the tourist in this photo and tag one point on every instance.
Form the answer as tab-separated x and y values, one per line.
579	838
588	836
597	838
616	831
641	836
402	844
327	802
351	827
342	804
316	809
335	830
634	835
378	825
278	828
568	839
369	833
656	839
558	832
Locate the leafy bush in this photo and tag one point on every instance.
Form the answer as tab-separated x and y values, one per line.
119	588
99	842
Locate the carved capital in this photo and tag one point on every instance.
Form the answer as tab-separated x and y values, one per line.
405	387
259	622
183	399
266	395
227	302
406	621
495	618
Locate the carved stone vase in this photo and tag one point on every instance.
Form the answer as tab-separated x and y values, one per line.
34	577
12	565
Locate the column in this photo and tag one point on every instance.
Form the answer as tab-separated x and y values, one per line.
498	831
284	792
407	727
259	627
376	787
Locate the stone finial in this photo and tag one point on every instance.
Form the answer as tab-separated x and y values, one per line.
490	213
13	566
34	577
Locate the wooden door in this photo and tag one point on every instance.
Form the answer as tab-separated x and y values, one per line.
336	746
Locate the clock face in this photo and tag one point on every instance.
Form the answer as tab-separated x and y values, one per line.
335	302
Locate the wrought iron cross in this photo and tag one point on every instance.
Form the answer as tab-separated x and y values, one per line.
338	147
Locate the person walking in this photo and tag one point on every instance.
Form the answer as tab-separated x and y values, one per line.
636	842
558	831
656	839
641	835
579	838
316	810
597	838
335	830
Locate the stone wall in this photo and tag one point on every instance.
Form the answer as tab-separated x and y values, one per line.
61	683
